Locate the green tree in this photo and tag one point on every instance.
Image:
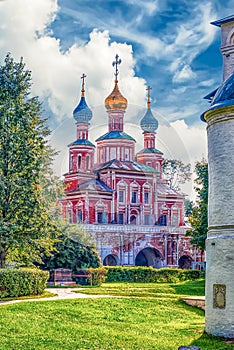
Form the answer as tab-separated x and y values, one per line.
188	207
74	249
24	218
198	217
176	172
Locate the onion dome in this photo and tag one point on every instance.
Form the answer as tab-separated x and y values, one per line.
149	123
82	113
116	101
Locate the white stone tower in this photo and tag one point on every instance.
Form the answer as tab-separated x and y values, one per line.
220	239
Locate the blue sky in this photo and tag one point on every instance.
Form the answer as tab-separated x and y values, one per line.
167	44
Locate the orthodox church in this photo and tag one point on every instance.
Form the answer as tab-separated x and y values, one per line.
120	196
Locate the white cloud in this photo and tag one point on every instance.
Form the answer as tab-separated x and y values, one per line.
56	74
185	73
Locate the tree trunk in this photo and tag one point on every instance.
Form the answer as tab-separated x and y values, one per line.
3	257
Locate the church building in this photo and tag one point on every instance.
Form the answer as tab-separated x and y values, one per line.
120	196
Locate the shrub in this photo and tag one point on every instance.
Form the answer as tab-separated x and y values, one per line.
97	276
150	274
20	282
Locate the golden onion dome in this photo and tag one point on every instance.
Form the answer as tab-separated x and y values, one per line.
116	101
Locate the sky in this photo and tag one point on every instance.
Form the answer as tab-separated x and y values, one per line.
169	45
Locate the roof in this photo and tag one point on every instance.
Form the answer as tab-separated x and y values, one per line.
81	142
224	96
116	135
126	165
82	113
95	185
211	95
149	150
166	190
221	21
149	123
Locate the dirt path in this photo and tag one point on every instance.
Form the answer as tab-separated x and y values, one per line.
62	293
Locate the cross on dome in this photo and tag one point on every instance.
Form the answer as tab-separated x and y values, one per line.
148	90
83	83
116	63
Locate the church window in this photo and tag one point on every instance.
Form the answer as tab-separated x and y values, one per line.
147	219
120	218
79	215
79	161
163	220
71	162
133	219
121	196
146	197
232	39
87	162
134	197
102	217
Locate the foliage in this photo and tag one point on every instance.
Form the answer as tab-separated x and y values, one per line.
198	218
21	282
24	218
97	276
176	172
188	207
73	250
162	322
149	274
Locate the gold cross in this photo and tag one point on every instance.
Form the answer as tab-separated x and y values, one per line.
83	78
148	102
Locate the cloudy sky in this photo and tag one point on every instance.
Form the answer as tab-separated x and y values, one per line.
169	45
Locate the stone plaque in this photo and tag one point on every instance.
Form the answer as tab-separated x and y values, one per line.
219	293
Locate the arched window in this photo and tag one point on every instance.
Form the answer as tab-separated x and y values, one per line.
87	162
79	161
69	212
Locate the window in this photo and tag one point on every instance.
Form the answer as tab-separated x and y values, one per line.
120	218
87	162
79	161
147	219
146	197
79	215
134	197
163	220
121	196
102	217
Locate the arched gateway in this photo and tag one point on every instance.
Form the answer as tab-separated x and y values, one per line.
149	257
110	260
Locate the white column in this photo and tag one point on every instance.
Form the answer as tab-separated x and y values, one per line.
220	240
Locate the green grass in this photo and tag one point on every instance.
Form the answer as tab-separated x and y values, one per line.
148	289
161	321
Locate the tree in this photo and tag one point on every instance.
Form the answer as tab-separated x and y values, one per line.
24	218
176	172
198	218
188	207
74	250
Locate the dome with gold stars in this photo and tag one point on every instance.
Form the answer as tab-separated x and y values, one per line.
116	101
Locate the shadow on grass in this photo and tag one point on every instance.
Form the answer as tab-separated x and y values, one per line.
209	342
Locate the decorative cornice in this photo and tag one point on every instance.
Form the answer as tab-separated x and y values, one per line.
219	115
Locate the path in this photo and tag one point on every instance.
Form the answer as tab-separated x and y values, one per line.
62	293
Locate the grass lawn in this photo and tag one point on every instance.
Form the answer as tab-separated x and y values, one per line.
158	319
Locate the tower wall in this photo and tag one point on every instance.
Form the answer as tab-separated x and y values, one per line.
227	49
220	240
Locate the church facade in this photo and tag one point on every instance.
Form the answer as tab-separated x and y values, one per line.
120	196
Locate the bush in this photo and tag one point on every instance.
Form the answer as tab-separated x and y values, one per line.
96	275
150	274
21	282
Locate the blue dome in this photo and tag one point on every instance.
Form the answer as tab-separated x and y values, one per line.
225	92
82	113
224	96
149	123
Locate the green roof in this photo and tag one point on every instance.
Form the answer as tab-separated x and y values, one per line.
116	135
81	142
149	150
